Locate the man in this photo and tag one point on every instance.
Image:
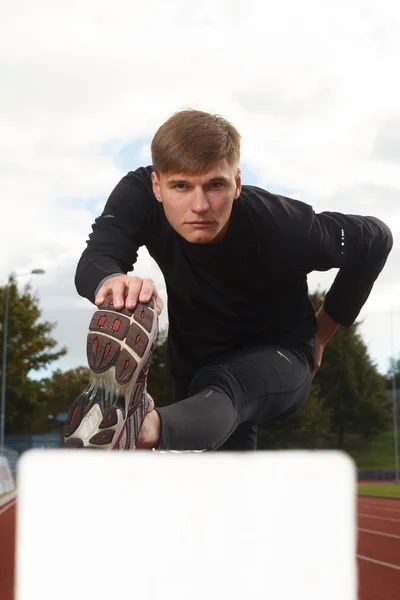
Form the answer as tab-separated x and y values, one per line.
244	341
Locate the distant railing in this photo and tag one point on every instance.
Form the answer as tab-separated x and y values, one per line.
12	457
376	474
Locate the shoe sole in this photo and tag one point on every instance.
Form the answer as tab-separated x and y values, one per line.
119	350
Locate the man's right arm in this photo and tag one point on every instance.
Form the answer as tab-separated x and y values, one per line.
125	224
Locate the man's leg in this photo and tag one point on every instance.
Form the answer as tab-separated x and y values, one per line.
192	424
244	438
259	384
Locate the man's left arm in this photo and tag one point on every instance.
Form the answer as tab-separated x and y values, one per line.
359	247
326	327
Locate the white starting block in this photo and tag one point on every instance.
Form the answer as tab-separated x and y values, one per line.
190	526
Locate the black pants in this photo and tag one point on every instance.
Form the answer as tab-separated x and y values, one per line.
223	404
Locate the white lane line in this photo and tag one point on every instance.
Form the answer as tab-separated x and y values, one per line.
6	498
391	535
7	506
378	562
377	507
377	501
379	518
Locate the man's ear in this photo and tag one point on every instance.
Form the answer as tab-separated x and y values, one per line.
238	180
156	186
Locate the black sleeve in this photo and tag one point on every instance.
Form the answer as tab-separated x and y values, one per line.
117	234
359	247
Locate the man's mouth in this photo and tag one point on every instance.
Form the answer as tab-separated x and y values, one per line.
200	223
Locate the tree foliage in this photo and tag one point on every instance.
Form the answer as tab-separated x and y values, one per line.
57	393
394	370
29	347
351	387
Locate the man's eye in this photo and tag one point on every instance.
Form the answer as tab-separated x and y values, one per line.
180	186
217	185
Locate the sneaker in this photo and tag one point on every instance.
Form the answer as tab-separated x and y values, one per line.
110	412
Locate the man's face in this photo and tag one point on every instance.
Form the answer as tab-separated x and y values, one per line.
198	206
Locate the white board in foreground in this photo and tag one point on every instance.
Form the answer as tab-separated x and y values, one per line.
208	526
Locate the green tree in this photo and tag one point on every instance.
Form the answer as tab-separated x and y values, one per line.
393	370
29	347
351	387
57	393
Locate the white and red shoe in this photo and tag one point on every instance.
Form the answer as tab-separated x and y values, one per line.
109	413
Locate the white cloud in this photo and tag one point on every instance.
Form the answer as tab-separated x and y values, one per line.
387	141
311	86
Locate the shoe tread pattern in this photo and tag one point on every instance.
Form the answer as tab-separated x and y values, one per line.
130	326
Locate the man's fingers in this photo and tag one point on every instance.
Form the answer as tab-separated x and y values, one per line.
138	289
158	301
135	285
147	290
115	287
159	304
99	299
103	292
118	293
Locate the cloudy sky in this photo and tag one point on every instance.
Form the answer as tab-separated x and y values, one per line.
312	87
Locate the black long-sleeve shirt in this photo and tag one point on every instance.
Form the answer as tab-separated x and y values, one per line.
252	286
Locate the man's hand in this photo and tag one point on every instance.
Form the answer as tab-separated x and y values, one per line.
138	290
319	348
326	329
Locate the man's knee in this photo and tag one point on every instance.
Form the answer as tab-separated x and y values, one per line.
219	378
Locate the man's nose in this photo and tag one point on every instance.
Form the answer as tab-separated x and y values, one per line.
200	203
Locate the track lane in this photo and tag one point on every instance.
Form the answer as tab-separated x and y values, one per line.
7	551
377	580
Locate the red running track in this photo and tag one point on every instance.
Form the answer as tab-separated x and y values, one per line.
7	550
378	549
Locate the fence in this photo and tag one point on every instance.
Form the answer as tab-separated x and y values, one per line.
22	442
12	457
376	474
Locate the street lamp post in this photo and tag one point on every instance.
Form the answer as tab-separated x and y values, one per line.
395	420
4	368
394	407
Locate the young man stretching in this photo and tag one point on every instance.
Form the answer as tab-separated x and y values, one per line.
243	341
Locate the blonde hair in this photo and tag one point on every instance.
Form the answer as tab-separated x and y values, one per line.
191	140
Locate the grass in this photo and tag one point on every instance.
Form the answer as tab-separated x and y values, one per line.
376	454
383	490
